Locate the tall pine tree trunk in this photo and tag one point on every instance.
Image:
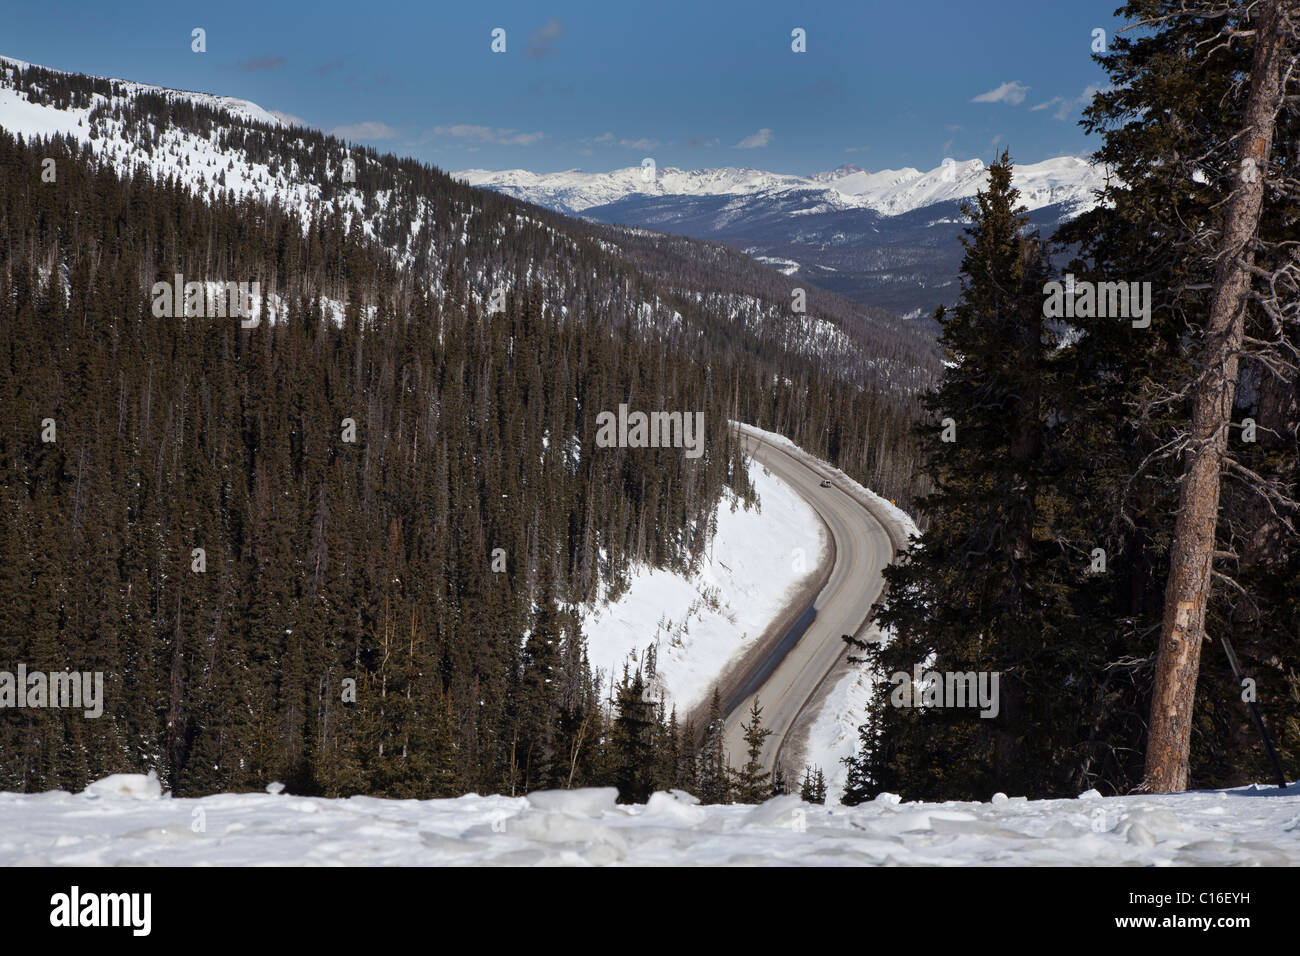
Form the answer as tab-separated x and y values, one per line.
1192	550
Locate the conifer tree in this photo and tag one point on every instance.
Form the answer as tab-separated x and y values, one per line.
1172	124
779	784
813	787
538	698
687	778
752	784
975	594
1213	396
713	775
632	743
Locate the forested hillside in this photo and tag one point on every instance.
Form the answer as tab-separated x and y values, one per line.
344	548
427	220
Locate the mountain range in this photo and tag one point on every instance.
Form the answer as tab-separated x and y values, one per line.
887	238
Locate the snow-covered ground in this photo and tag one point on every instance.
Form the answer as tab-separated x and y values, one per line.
833	733
702	623
125	821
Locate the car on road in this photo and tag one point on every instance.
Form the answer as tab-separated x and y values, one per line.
826	483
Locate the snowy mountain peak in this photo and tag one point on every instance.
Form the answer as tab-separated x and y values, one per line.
890	192
573	191
847	169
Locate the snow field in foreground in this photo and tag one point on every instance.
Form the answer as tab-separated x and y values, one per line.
124	820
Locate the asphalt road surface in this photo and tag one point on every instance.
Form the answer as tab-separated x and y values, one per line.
789	676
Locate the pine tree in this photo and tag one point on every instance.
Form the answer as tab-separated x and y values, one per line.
687	778
713	776
779	784
538	699
752	784
1172	125
1213	396
632	742
976	594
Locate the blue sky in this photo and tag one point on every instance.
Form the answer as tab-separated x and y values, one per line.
601	85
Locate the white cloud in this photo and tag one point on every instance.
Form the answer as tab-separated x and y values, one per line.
609	139
260	63
761	138
541	42
1012	92
371	129
489	134
1065	105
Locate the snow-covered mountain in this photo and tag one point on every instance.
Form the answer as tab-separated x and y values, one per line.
575	191
213	144
887	238
1065	180
23	114
202	163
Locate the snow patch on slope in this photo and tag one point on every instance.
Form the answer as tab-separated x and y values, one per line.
700	624
241	108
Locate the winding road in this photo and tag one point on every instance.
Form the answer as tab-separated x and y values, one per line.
792	669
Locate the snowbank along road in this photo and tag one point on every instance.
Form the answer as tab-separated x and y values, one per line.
789	675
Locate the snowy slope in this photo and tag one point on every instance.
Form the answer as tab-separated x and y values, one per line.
890	192
125	821
700	624
240	108
207	166
197	162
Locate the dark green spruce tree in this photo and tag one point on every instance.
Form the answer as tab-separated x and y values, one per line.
983	591
752	783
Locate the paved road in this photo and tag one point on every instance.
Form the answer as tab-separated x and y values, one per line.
790	675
